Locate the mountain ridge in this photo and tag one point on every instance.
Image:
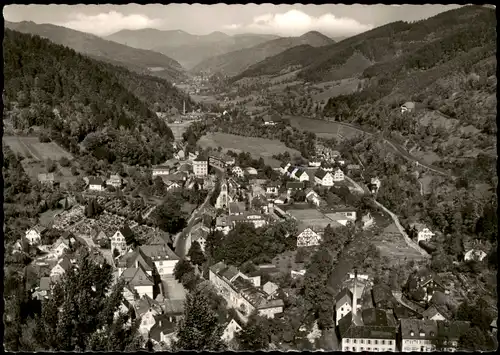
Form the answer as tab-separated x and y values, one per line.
135	59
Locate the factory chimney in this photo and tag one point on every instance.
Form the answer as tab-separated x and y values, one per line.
184	107
354	296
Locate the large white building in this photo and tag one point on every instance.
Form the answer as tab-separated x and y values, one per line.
200	167
242	292
323	178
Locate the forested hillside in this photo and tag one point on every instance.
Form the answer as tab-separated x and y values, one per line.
138	60
235	62
378	45
85	104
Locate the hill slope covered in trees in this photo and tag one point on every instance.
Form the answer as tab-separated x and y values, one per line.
138	60
381	44
234	62
85	103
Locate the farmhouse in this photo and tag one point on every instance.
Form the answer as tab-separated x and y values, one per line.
115	181
421	335
200	167
433	313
407	107
257	219
230	331
119	239
284	168
60	268
270	120
313	197
307	237
137	279
251	171
242	292
323	178
34	235
237	171
300	175
338	175
96	184
60	246
423	233
292	187
46	179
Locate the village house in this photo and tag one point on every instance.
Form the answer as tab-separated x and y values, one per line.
138	280
300	175
146	309
237	171
475	249
270	120
251	171
257	219
284	168
338	175
313	197
433	313
327	166
62	266
42	292
46	179
119	239
343	303
368	331
34	234
367	220
223	224
307	237
115	181
323	178
272	188
293	186
422	232
180	155
200	167
192	156
407	107
199	233
96	184
315	163
342	215
60	246
374	185
243	293
422	335
163	330
163	257
230	330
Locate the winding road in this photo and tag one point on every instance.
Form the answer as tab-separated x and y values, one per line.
395	146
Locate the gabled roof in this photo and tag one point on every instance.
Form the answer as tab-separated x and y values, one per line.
401	312
294	185
137	277
432	311
173	306
320	174
344	296
160	238
201	158
156	252
38	229
162	325
95	181
382	293
234	207
283	165
374	317
65	263
146	303
45	283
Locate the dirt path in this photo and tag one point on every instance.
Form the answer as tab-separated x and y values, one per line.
407	239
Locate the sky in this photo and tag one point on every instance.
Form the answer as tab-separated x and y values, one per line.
284	20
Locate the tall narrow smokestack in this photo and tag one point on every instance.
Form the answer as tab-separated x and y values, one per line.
354	296
184	107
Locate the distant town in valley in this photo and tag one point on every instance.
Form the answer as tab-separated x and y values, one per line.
166	191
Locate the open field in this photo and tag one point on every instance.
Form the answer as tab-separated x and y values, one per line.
390	243
336	88
61	175
257	147
282	87
204	99
31	148
323	129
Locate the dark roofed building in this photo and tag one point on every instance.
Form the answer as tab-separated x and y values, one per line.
294	185
374	317
383	298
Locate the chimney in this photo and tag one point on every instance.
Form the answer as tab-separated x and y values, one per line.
184	108
354	296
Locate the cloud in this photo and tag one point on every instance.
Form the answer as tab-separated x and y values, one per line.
295	22
110	22
233	26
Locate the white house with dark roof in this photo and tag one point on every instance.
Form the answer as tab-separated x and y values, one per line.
230	330
343	304
115	180
433	313
300	175
338	175
307	237
313	197
62	266
119	239
34	234
136	278
243	293
237	171
323	178
423	233
408	106
96	184
272	188
284	168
